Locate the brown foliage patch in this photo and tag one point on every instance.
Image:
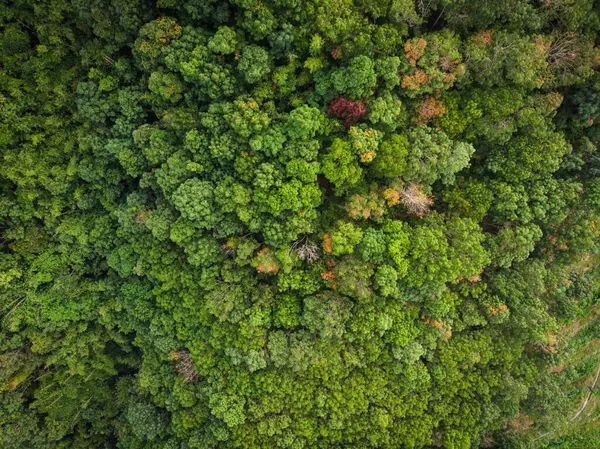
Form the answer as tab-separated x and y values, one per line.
327	243
392	196
521	422
438	324
336	52
267	262
413	82
365	206
496	310
184	365
429	109
415	200
329	276
414	50
484	37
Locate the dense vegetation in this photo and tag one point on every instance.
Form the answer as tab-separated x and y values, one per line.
298	223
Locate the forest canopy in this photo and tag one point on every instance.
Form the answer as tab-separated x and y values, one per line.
298	224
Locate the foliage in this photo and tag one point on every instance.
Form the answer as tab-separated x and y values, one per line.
283	224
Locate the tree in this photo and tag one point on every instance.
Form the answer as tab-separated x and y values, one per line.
145	420
434	156
344	238
347	110
223	41
254	63
304	123
340	167
391	157
453	250
505	59
195	200
513	244
397	239
356	80
388	111
326	314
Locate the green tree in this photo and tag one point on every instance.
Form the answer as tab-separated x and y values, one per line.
254	63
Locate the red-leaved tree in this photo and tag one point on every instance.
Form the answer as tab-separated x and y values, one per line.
347	110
